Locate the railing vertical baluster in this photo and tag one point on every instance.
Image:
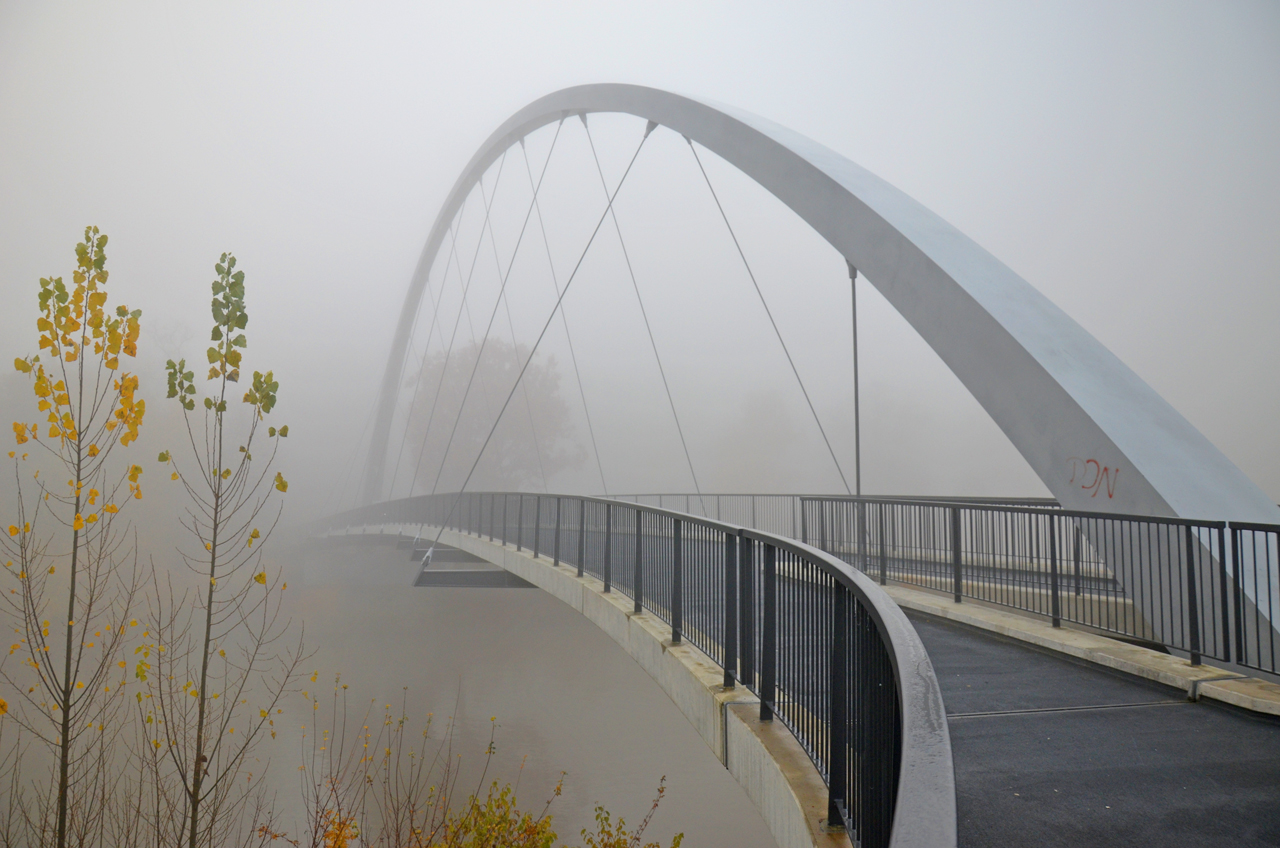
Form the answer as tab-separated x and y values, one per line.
608	548
493	513
730	639
1237	591
884	550
556	554
957	578
582	537
769	634
1055	602
537	524
638	574
837	761
746	611
677	583
519	522
505	500
1076	544
1193	603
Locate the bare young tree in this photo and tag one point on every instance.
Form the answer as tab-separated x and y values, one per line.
222	657
71	566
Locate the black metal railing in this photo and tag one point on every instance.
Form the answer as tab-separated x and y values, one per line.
1207	588
827	652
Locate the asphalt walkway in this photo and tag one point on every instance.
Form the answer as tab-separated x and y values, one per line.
1051	751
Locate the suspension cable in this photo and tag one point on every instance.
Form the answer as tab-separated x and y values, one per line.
515	251
541	335
643	313
769	313
528	405
435	323
444	368
564	319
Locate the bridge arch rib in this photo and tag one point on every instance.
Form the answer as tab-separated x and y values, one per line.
1095	433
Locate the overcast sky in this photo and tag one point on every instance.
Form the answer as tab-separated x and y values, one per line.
1120	157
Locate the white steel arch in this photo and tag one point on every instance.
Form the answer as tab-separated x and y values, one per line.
1097	435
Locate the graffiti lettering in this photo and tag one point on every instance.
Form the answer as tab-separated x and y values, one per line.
1093	476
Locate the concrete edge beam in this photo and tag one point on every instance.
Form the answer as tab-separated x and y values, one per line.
763	757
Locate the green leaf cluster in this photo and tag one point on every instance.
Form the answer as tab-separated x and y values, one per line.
263	394
181	383
229	315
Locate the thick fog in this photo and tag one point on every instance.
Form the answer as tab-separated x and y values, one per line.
1120	159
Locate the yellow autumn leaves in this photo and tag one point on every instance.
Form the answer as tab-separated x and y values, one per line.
72	322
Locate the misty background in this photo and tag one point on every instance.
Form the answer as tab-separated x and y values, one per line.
1120	157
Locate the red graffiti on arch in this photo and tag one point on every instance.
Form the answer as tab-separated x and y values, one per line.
1093	476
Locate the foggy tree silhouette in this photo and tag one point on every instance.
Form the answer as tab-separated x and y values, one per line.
533	442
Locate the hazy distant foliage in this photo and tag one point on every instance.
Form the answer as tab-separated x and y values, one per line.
532	444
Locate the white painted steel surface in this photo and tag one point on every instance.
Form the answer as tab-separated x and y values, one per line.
1097	435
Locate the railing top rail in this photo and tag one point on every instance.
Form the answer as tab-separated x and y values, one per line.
1009	507
1261	528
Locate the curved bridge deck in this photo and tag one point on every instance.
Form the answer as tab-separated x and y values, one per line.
1051	751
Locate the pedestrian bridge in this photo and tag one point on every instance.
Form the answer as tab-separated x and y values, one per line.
1152	540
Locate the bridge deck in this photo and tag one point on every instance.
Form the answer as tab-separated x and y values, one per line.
1049	751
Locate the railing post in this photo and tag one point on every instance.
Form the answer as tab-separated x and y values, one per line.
638	574
519	522
804	523
1076	545
769	634
1055	602
1222	591
837	763
493	513
746	611
677	583
556	554
1237	591
582	537
957	577
608	548
505	501
884	548
1193	603
730	637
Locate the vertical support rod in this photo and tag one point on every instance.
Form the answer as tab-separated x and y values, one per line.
769	634
638	593
1237	592
837	762
730	636
505	500
1193	603
746	611
677	583
1055	601
582	537
493	513
957	578
608	548
857	423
